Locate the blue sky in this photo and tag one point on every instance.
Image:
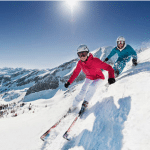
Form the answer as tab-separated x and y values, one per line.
46	34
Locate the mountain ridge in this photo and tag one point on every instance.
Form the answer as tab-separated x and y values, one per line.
35	80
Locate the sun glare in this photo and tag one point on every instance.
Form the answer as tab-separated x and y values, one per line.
71	3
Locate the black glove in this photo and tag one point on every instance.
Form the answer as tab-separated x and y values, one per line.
134	61
106	60
66	84
111	80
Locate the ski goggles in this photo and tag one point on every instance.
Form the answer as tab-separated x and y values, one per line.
82	54
120	42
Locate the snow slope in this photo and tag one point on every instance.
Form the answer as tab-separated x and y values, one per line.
118	116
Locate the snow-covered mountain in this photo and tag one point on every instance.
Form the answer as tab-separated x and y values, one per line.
22	84
117	118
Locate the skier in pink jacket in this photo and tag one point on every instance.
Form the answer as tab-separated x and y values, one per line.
91	66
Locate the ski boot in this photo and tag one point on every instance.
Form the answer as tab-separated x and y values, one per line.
83	108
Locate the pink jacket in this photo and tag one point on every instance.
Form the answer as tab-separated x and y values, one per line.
92	69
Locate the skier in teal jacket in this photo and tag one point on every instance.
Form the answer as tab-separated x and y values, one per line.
125	52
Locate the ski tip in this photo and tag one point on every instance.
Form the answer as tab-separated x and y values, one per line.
65	136
42	139
66	139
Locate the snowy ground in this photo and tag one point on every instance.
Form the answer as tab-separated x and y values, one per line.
118	117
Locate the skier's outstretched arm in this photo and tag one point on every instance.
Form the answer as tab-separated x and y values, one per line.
73	76
107	67
112	53
134	56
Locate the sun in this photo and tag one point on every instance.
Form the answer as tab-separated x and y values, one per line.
71	4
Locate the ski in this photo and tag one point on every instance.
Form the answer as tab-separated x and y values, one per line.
55	125
66	134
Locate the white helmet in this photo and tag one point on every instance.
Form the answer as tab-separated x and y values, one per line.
120	38
82	48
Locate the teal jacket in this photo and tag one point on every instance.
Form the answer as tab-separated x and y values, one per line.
128	51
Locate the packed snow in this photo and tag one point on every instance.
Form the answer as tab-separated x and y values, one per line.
118	116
